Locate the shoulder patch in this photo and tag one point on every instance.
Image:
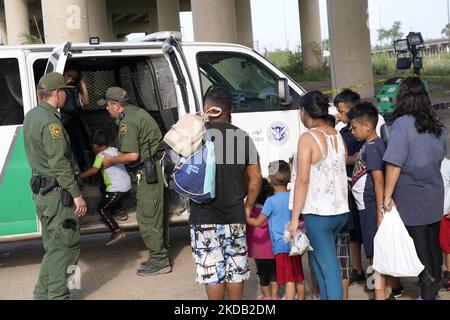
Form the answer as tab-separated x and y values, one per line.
123	129
55	130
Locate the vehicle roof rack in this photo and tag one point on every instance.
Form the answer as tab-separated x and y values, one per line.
159	36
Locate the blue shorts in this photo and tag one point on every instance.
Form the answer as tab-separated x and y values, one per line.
220	253
368	220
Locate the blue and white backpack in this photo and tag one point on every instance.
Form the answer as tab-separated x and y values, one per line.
196	177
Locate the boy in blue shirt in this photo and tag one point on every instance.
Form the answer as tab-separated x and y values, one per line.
368	176
276	211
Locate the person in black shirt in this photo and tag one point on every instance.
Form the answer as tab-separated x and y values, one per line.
72	118
218	230
344	102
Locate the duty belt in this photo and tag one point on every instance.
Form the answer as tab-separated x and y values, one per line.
137	169
42	185
44	180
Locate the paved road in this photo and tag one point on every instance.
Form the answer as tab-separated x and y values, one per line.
109	273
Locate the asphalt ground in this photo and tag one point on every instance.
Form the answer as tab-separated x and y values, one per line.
110	273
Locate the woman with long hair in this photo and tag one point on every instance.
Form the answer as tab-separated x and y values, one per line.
416	148
320	193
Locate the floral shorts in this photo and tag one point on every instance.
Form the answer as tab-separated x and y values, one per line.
220	253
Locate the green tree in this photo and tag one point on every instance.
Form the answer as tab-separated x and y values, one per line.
395	32
391	34
383	34
446	31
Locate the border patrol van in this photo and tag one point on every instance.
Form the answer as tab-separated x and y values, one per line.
165	77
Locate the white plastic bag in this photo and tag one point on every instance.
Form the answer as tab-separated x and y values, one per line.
394	251
299	244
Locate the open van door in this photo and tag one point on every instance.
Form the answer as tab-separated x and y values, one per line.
58	58
186	95
18	218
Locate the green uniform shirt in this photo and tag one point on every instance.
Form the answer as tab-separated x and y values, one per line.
138	130
47	146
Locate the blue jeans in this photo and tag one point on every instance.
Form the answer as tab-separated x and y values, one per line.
322	232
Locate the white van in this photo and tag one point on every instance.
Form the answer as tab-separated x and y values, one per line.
168	79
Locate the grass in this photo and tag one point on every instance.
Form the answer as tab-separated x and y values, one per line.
433	66
292	64
437	65
382	65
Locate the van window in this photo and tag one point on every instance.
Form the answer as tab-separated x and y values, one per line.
254	87
165	83
11	104
139	78
149	84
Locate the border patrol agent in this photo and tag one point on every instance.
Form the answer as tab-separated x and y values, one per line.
139	140
55	191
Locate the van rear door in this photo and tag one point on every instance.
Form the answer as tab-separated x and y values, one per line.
18	218
186	95
58	58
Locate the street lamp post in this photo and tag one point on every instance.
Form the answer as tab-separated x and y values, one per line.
448	20
285	28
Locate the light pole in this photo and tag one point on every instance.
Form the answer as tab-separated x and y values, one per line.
448	20
285	28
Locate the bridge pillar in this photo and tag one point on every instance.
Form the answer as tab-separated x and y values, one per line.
17	20
244	27
351	59
65	20
214	20
98	20
310	32
3	34
168	15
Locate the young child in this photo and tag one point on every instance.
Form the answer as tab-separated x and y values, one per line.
260	248
342	241
368	176
276	210
117	182
444	237
344	102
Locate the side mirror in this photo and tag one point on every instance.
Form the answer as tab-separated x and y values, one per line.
284	93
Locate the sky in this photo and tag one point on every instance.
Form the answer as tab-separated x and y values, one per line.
426	16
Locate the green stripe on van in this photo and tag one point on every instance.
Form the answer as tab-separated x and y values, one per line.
17	210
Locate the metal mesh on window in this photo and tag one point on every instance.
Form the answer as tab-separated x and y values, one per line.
97	82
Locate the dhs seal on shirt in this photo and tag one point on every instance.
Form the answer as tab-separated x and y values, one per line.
278	133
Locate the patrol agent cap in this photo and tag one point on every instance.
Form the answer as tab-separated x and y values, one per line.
52	81
114	93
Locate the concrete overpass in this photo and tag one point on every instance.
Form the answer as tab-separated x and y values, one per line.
213	20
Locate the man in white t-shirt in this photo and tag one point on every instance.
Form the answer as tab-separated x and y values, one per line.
117	182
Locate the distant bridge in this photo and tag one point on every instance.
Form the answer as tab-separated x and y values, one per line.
430	48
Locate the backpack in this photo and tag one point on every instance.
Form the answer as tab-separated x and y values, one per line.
189	158
196	177
186	136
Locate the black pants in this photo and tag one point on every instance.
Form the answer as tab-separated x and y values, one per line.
267	271
426	241
110	202
78	132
